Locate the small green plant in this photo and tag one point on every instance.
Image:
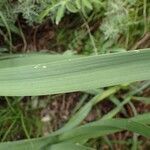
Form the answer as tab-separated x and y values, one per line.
58	8
47	76
102	32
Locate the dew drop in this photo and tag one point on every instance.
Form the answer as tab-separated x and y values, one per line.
137	51
44	67
37	66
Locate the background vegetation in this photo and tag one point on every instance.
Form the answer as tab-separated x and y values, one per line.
69	27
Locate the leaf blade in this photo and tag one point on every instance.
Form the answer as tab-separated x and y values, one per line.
66	75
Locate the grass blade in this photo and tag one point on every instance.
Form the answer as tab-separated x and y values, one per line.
137	124
84	111
75	74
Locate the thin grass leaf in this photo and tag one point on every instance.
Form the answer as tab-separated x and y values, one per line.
78	4
60	13
145	100
46	12
105	127
113	112
71	7
83	133
84	111
7	26
8	130
87	3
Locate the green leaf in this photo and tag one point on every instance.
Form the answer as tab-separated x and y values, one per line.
70	6
47	11
97	1
68	146
60	13
78	4
84	111
12	27
30	144
117	109
6	25
22	76
87	3
105	127
138	124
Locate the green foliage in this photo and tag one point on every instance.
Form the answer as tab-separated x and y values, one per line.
117	16
54	74
35	11
121	21
80	135
18	120
121	16
57	8
7	18
97	27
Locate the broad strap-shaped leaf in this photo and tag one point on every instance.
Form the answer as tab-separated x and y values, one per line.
45	75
